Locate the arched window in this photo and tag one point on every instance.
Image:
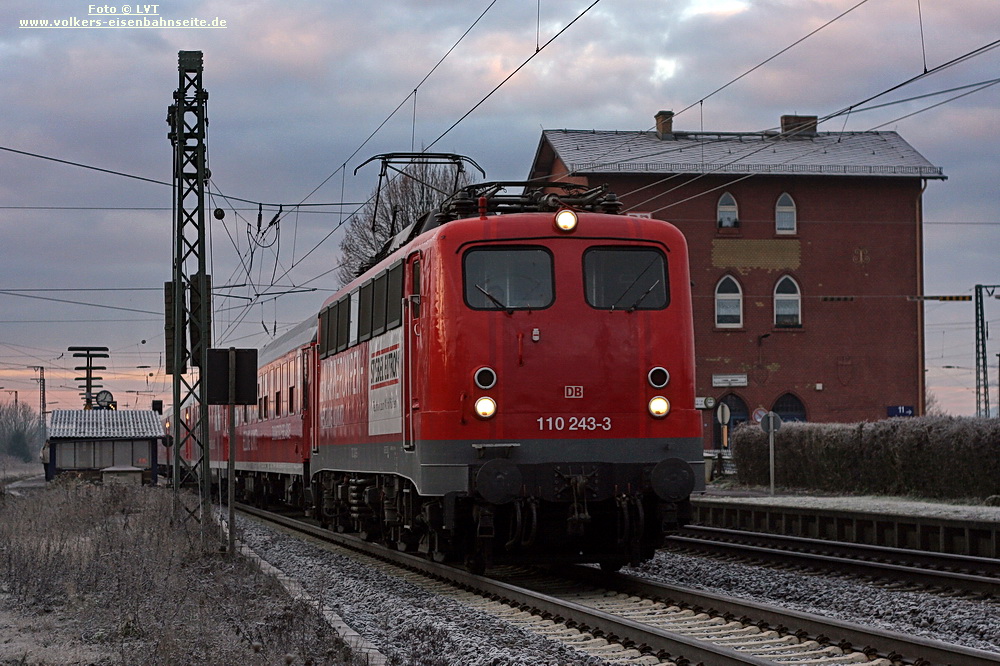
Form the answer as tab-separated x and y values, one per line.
789	408
738	414
785	220
727	212
787	303
728	303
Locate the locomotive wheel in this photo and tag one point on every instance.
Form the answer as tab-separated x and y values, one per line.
408	541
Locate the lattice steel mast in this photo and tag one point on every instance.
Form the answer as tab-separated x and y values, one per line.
188	295
982	334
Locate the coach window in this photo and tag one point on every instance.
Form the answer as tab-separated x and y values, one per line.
352	333
378	304
728	303
331	340
365	312
785	221
508	278
728	213
625	278
324	326
787	304
343	324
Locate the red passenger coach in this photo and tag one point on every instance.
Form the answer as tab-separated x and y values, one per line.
511	381
272	456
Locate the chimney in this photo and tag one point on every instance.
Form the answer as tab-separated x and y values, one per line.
798	125
664	124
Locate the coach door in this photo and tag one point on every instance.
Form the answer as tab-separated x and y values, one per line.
411	342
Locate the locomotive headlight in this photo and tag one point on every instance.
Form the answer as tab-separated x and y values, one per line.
486	407
566	220
659	407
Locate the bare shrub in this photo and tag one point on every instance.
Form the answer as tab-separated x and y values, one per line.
146	582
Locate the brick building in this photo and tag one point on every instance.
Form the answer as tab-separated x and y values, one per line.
806	255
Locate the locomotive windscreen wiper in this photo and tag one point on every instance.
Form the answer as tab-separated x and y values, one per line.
643	297
629	288
495	300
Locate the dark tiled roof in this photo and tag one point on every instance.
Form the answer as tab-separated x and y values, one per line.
104	424
824	153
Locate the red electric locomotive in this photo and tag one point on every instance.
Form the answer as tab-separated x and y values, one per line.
511	381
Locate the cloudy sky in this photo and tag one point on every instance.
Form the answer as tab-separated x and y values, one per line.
302	92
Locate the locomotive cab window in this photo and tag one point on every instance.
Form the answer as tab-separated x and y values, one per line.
626	278
508	278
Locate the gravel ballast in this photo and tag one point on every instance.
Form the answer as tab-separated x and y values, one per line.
416	626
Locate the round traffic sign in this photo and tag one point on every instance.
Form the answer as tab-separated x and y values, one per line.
770	423
758	414
722	414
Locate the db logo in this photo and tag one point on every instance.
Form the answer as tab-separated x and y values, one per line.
573	392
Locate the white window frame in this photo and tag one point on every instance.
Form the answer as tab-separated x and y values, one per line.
727	212
729	296
795	299
784	211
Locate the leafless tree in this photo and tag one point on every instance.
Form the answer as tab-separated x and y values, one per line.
20	431
403	199
932	407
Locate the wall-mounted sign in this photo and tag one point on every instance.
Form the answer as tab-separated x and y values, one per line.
729	380
704	403
899	410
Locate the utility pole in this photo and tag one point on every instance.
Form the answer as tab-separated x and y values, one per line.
188	295
90	353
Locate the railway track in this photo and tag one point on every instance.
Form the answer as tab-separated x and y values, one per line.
630	620
935	572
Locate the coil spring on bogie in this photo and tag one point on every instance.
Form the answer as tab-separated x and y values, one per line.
357	490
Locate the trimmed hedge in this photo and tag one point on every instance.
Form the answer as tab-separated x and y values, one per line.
936	457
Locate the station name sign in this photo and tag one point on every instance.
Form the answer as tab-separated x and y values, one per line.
729	380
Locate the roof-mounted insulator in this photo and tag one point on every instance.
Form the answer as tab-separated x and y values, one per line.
482	208
610	204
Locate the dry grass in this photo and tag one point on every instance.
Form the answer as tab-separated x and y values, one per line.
147	586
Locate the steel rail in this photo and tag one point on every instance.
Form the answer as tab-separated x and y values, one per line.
977	574
873	641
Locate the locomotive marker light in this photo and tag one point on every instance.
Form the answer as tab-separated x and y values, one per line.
485	377
658	377
566	220
486	407
659	407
